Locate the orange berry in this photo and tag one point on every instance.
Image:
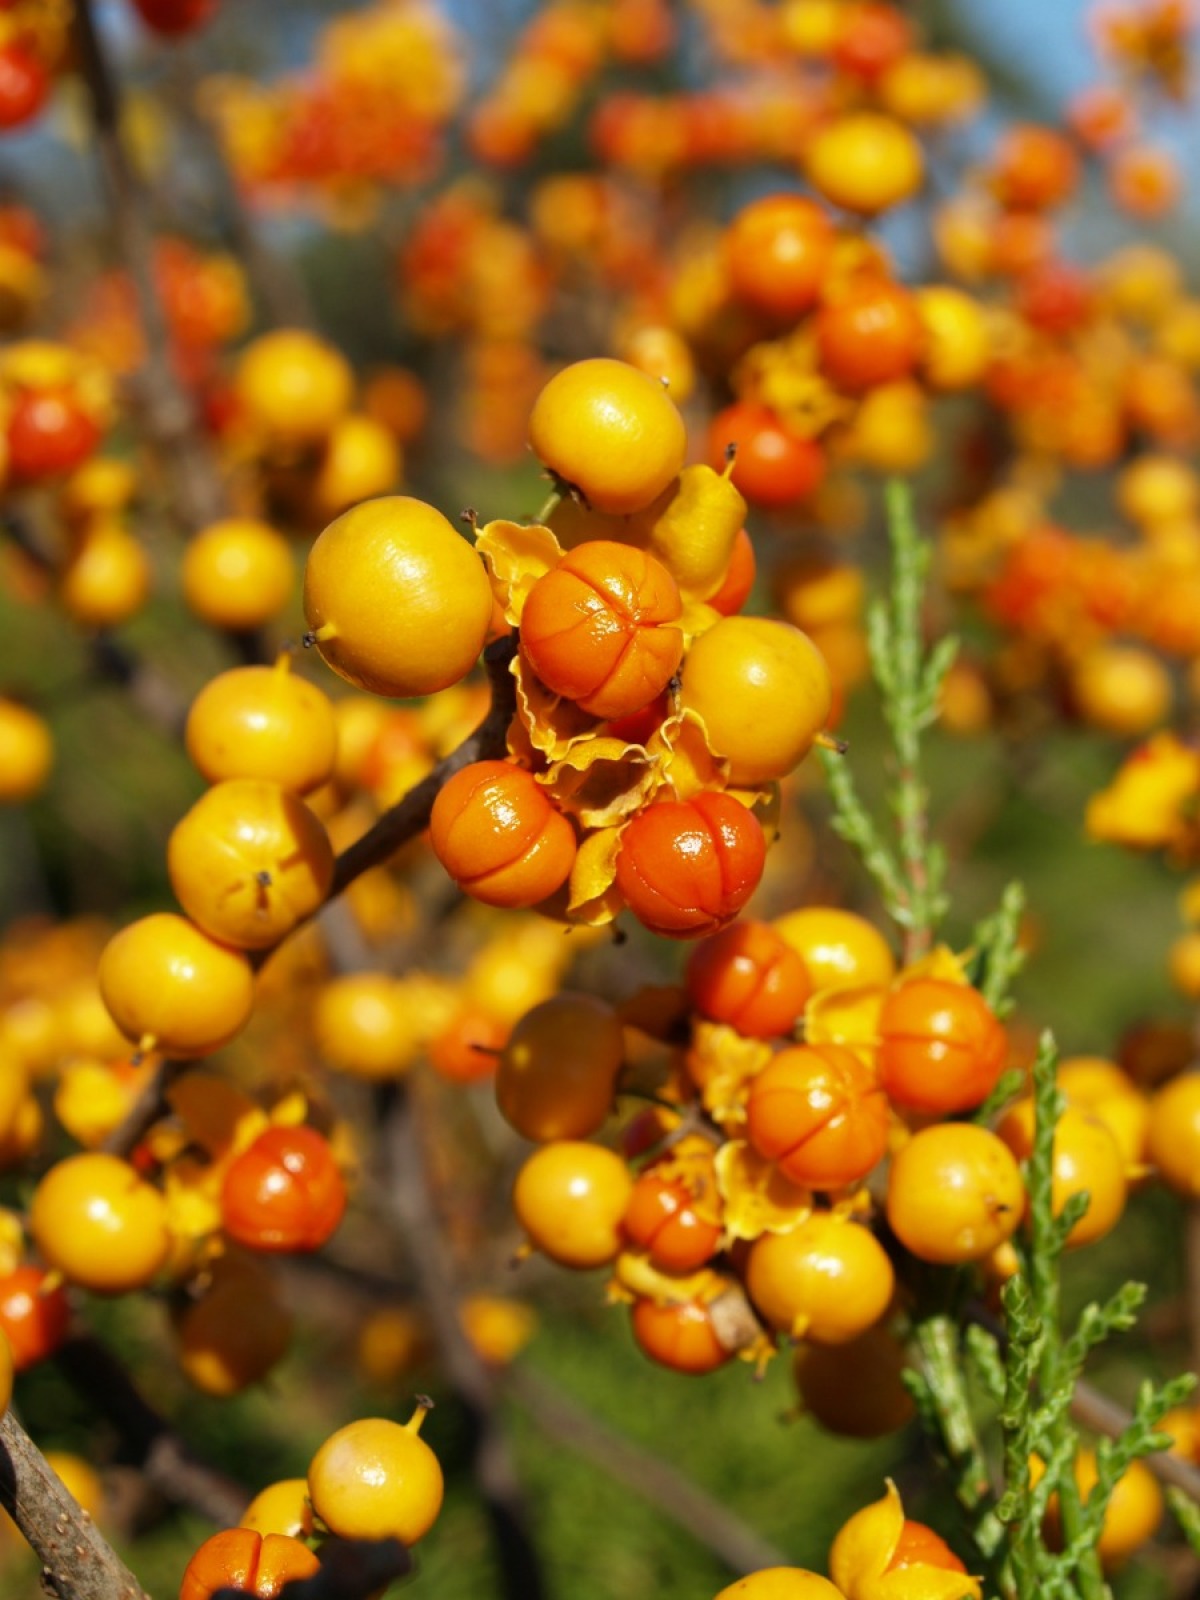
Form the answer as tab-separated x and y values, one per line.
865	162
263	722
778	250
662	1219
818	1112
240	1558
292	386
597	628
954	1193
1087	1159
687	867
248	862
609	431
397	601
870	333
748	976
558	1071
283	1192
829	1279
237	573
497	834
679	1335
775	467
570	1198
1036	168
169	986
377	1479
107	578
99	1224
942	1048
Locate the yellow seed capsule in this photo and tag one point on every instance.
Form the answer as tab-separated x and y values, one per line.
694	534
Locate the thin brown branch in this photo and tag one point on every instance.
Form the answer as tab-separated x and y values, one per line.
77	1563
168	413
148	1441
657	1482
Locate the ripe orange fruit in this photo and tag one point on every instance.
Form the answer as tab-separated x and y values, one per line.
237	573
397	601
292	386
499	837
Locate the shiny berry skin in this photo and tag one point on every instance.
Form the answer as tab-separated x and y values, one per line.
104	1229
764	692
685	868
557	1074
749	977
840	949
284	1192
870	333
169	986
1173	1135
376	1479
49	432
1087	1159
263	722
597	628
919	1545
778	250
828	1280
680	1336
662	1219
248	862
570	1198
397	601
954	1193
610	431
282	1507
775	467
34	1318
819	1113
240	1558
942	1048
498	836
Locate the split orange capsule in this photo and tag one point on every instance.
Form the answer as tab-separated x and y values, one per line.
498	836
239	1558
818	1111
942	1048
687	867
662	1218
597	628
749	977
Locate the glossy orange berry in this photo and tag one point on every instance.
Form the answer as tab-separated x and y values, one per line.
679	1335
263	722
954	1193
687	867
870	333
50	431
557	1074
377	1479
170	987
818	1112
396	599
775	467
872	36
1173	1135
496	832
856	1388
1035	168
609	431
99	1224
827	1280
570	1198
865	162
237	573
919	1545
839	948
663	1219
778	251
941	1047
292	386
34	1315
1087	1159
748	976
598	628
763	691
26	753
248	862
283	1192
241	1558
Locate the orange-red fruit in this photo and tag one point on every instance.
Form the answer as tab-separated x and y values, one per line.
774	467
942	1048
240	1558
498	836
284	1192
33	1316
748	976
680	1336
871	333
1035	167
661	1218
818	1112
597	628
687	867
778	250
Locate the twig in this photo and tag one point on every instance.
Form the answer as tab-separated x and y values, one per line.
687	1505
77	1563
168	413
162	1457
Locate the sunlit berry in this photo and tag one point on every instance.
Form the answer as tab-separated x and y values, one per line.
819	1113
376	1479
570	1198
496	832
685	868
101	1225
829	1279
284	1192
